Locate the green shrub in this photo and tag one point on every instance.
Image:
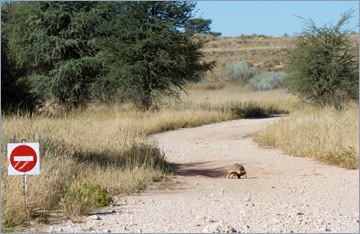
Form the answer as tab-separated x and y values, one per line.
81	198
322	68
239	71
266	80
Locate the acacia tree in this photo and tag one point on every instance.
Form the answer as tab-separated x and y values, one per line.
56	42
147	52
323	67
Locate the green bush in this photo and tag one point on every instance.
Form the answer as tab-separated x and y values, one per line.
323	68
266	80
239	71
81	198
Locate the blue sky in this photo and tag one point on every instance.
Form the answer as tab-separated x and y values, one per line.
272	18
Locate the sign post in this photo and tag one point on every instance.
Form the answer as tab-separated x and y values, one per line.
25	189
24	159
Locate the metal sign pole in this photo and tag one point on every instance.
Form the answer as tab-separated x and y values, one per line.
25	185
25	189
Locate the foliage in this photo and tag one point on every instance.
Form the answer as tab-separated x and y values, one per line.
198	25
266	80
15	91
81	198
215	34
322	68
147	54
239	71
56	42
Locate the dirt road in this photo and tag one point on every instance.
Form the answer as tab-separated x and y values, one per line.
281	194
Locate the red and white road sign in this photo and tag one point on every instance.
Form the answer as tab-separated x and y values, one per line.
23	159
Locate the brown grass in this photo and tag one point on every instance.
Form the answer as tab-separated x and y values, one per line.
324	134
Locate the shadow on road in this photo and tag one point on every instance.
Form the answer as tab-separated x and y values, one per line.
200	169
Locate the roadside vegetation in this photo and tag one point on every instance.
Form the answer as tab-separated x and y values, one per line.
323	133
91	103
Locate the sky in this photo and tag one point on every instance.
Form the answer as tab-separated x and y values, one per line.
273	18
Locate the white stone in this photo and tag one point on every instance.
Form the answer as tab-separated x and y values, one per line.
95	217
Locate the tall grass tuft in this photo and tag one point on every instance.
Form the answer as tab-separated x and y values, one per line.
324	134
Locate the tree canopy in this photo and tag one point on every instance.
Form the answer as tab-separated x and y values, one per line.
148	55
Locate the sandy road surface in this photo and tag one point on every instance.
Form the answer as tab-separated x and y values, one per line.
281	194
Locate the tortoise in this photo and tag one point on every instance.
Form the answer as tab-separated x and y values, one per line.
236	170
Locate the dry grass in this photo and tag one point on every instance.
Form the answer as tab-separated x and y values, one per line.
77	146
213	85
321	133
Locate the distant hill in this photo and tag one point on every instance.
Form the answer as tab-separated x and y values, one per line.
266	51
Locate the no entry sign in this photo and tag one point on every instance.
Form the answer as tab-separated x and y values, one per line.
24	158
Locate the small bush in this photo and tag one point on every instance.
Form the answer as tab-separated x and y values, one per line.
266	80
239	71
81	198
